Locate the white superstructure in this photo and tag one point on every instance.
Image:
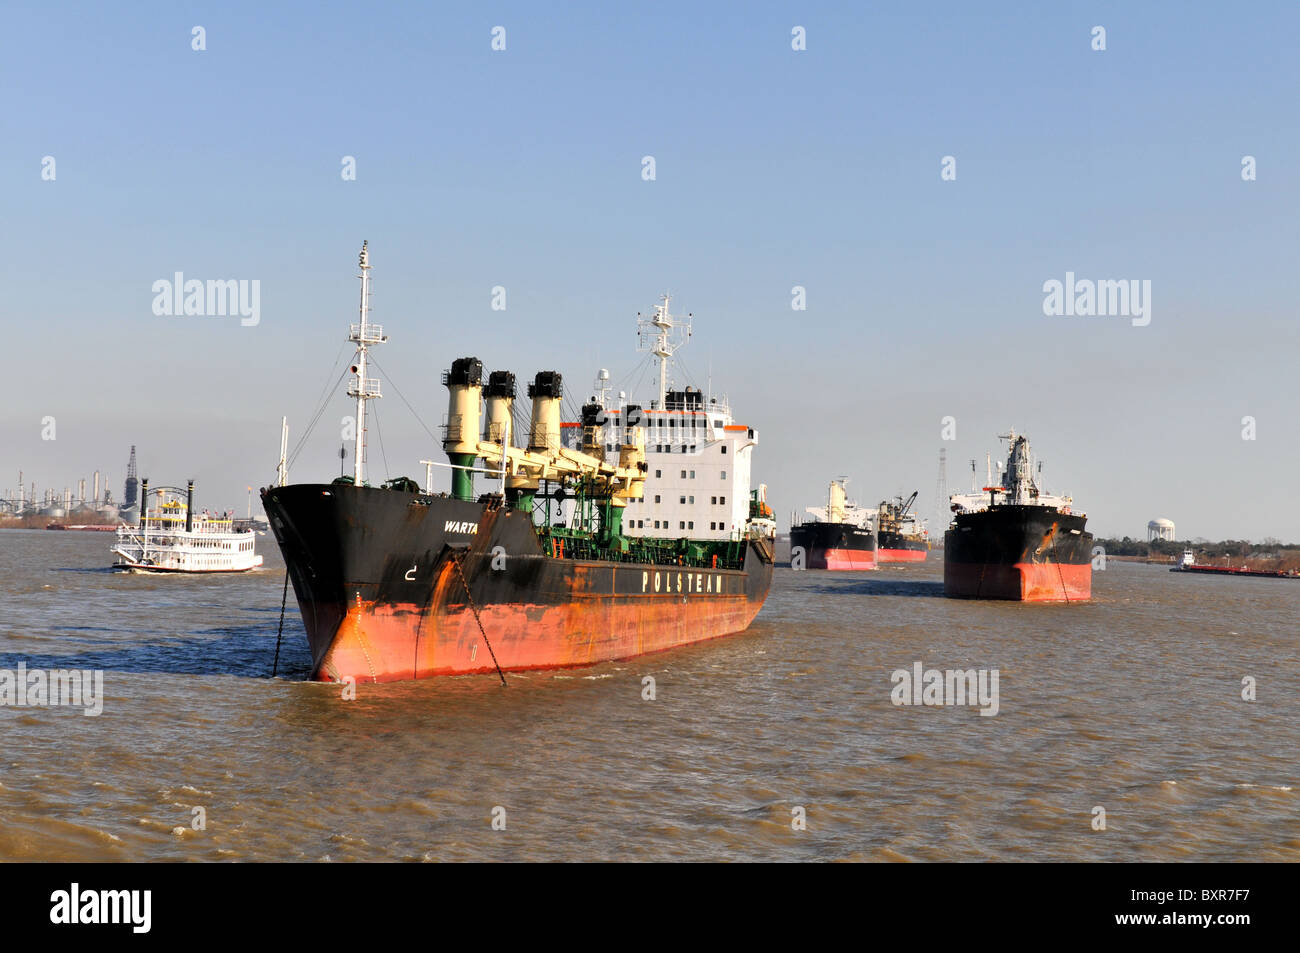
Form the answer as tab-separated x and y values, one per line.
840	509
698	458
1016	485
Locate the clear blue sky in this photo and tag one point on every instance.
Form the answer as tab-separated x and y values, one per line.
775	168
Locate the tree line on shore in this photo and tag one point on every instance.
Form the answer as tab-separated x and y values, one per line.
1271	553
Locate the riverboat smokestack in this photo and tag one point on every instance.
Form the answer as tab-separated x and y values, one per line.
144	500
189	507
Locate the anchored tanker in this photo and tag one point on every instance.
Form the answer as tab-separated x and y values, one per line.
395	582
1016	542
840	536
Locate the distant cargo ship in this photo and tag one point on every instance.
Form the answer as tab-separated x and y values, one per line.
1017	543
841	535
900	537
1188	563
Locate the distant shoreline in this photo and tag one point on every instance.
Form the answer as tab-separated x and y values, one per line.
64	522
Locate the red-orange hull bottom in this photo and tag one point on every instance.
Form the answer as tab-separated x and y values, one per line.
393	642
858	559
1022	582
901	555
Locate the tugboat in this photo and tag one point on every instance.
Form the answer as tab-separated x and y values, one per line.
170	538
1017	543
399	582
1188	563
840	536
899	539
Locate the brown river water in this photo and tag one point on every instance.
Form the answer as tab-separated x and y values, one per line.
1132	702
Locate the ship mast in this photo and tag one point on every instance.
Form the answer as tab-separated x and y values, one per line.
282	468
661	335
363	388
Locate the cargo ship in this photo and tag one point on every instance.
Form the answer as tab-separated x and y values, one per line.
397	582
1017	542
840	536
900	537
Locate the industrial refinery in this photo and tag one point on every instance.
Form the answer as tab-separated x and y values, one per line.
90	501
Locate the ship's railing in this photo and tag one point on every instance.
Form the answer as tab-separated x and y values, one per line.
203	524
369	388
177	536
374	334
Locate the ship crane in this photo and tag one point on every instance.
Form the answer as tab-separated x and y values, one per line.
526	469
544	458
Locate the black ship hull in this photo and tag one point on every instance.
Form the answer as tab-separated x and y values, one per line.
1023	553
892	547
832	546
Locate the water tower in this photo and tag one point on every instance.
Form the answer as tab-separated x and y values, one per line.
1160	529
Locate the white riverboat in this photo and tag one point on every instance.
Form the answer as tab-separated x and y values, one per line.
170	537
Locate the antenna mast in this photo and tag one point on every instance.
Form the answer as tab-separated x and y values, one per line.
602	388
661	335
363	388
